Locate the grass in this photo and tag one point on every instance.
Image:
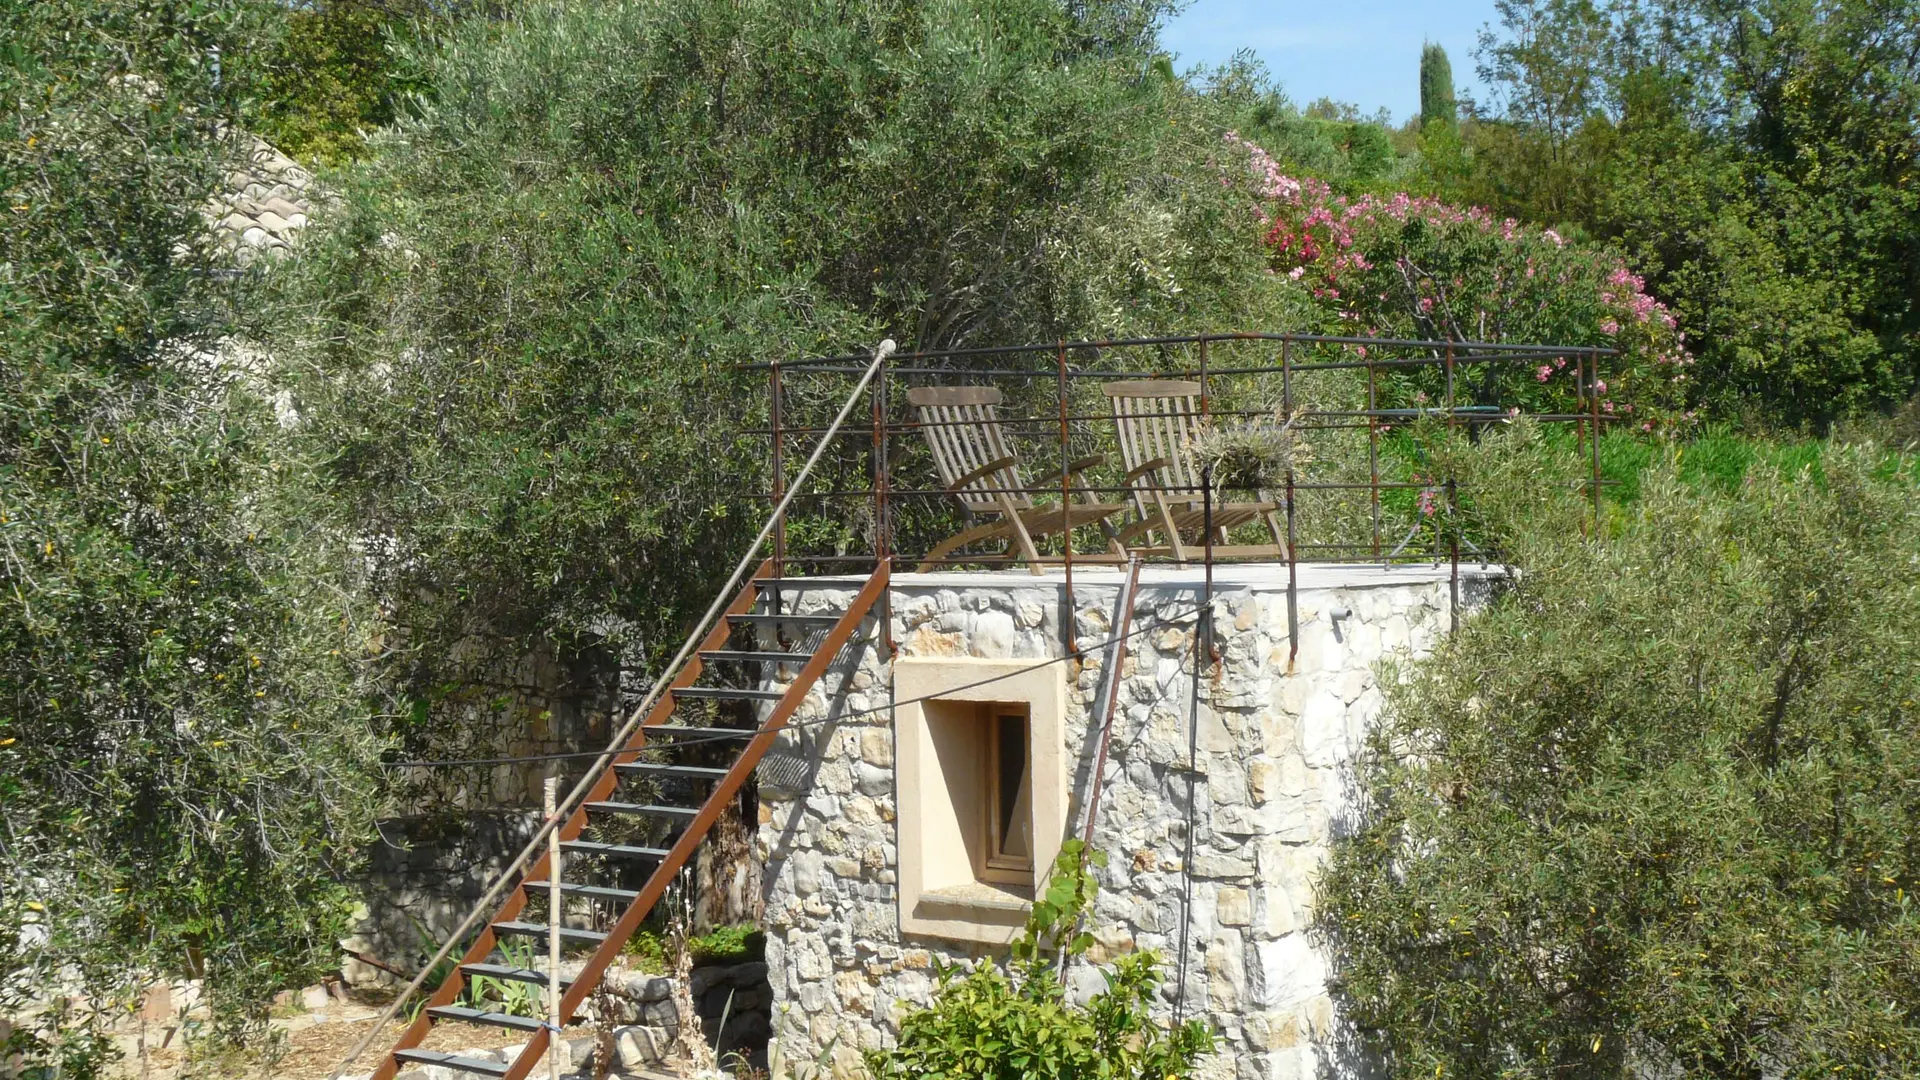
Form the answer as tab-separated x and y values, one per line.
729	945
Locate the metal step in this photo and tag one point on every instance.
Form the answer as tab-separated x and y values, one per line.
708	733
513	974
453	1061
538	887
615	851
641	809
539	930
726	693
765	617
752	656
481	1016
670	772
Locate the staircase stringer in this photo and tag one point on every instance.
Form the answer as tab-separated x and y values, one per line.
696	832
516	901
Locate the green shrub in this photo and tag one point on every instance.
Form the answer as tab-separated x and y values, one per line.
729	945
1016	1023
186	753
518	343
1691	748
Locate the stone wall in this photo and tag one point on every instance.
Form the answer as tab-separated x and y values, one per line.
1266	787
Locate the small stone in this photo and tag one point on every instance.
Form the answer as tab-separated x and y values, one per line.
638	1045
314	998
1233	907
1228	867
876	747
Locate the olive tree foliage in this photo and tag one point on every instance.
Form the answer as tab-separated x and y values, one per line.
519	340
185	757
1655	811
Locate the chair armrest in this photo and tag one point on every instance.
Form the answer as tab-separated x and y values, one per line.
1073	468
1146	467
981	473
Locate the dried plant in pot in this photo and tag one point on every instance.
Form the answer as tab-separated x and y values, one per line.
1255	455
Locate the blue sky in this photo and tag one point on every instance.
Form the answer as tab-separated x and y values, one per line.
1363	51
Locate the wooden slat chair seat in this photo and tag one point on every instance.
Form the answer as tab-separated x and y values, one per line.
1155	420
976	463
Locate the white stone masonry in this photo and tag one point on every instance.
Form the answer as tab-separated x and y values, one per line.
1272	776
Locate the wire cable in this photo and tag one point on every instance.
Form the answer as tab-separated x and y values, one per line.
1158	621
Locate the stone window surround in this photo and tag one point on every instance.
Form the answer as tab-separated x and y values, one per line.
989	917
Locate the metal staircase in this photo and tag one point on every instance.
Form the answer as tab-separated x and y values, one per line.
656	759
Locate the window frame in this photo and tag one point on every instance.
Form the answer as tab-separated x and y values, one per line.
995	864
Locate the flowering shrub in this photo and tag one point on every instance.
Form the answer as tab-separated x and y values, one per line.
1401	266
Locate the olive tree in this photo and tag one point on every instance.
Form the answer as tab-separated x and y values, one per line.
1656	810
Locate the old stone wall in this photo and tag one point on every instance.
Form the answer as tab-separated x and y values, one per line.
468	822
1263	792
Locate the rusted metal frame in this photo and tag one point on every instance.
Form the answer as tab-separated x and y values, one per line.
576	823
717	801
878	402
1593	399
1327	485
1128	595
1451	428
1540	352
1580	430
1067	624
1036	424
774	411
1453	536
883	520
1293	527
1373	449
1189	339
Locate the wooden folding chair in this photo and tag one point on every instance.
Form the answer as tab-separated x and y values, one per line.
1155	419
962	427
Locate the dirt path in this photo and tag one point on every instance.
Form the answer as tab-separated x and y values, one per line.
315	1044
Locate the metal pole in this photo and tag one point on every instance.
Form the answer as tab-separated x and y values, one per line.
880	464
1593	400
1066	511
1453	537
552	801
1373	448
1580	429
1293	532
1118	659
776	411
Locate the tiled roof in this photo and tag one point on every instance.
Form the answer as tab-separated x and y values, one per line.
264	207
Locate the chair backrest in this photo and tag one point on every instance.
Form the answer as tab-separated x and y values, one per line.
1155	419
962	426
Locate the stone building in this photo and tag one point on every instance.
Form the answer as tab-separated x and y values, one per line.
947	756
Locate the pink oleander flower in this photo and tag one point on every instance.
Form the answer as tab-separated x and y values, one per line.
1544	373
1609	327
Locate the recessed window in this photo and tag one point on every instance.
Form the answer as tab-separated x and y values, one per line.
1008	846
982	791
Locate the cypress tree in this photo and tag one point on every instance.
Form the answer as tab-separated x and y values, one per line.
1436	87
